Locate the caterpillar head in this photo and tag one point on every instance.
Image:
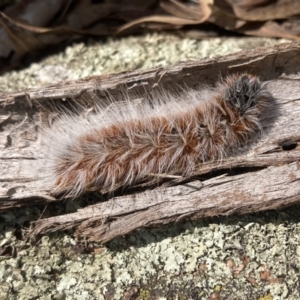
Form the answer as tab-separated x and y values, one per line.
245	93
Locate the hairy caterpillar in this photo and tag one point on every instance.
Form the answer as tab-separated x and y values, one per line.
171	134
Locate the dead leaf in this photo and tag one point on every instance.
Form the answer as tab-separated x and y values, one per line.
268	29
249	3
280	9
23	42
28	25
181	15
178	22
200	12
225	20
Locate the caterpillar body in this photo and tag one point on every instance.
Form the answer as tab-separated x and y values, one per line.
168	134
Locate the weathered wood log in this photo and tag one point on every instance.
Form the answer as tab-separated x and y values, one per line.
271	188
268	172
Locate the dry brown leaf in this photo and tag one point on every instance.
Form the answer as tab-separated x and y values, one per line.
225	20
44	30
36	13
27	38
181	15
249	3
25	26
259	10
177	9
86	13
170	20
31	24
281	9
268	29
23	42
224	15
292	25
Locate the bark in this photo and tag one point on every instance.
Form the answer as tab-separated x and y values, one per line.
265	176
